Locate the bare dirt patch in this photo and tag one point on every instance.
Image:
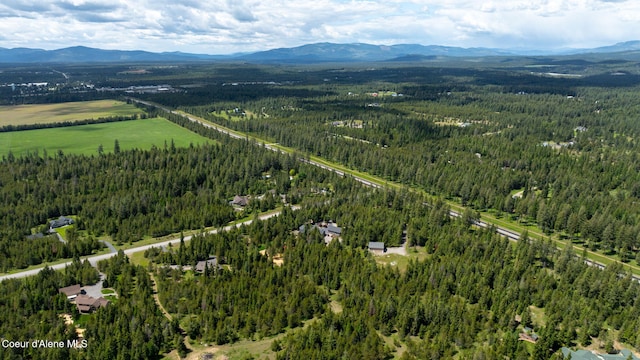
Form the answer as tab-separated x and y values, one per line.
68	320
277	259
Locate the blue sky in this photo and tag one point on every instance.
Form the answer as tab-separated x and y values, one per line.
230	26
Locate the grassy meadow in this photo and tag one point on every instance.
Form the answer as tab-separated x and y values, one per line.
85	139
71	111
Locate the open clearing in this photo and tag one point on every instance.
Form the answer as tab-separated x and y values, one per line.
401	259
236	115
85	139
71	111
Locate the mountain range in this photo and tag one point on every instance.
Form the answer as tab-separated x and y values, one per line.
311	53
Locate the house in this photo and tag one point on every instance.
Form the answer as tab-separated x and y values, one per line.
588	355
240	201
528	337
71	291
87	304
329	231
212	263
333	229
35	236
60	222
377	248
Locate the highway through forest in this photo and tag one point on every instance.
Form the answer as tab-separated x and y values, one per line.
238	135
510	234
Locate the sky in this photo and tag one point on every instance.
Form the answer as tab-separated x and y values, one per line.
233	26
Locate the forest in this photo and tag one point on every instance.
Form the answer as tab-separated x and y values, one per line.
516	144
131	195
560	155
471	297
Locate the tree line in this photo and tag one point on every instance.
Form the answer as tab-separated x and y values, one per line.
472	295
133	194
568	155
101	120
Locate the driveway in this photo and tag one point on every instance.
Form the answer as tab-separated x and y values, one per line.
108	244
400	250
95	291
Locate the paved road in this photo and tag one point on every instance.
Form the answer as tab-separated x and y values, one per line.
512	235
515	236
94	259
235	135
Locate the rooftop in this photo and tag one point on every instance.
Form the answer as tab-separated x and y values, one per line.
72	290
588	355
212	262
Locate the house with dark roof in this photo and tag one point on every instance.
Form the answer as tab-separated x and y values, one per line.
240	201
87	304
333	229
60	222
329	230
71	291
211	263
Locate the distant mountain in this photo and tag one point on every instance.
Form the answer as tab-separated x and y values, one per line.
329	52
628	46
83	54
311	53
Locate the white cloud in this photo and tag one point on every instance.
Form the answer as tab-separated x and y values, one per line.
225	26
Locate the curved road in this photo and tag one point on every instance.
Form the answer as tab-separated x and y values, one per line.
94	259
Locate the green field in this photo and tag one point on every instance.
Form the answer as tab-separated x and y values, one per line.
71	111
85	139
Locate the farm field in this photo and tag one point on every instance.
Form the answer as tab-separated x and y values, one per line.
85	139
71	111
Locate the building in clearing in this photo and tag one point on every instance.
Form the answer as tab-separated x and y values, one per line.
60	222
377	248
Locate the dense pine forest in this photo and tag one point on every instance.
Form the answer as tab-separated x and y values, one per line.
533	148
133	194
471	296
558	154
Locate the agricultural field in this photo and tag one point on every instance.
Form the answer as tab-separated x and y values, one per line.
446	287
85	139
71	111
